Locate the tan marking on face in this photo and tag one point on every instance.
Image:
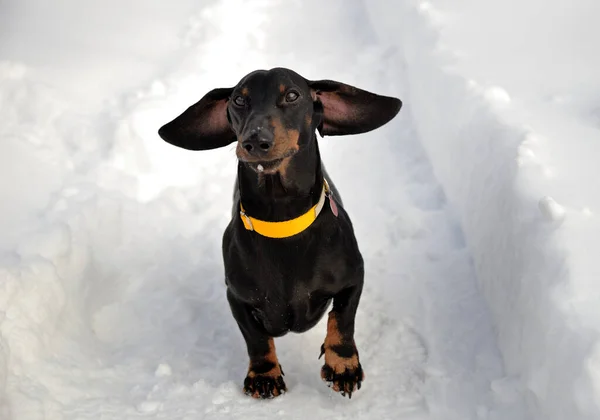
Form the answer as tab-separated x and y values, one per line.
284	139
245	91
285	144
281	88
308	120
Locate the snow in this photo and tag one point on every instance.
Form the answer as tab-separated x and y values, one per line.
551	209
520	172
476	209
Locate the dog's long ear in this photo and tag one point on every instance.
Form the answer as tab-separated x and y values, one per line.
349	110
202	126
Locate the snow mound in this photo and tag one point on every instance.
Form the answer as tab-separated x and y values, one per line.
518	170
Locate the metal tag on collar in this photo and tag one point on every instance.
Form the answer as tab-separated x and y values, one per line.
246	220
332	204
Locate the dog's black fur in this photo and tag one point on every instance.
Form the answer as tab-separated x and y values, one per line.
280	285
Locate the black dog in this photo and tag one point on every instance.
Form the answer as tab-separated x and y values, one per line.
290	247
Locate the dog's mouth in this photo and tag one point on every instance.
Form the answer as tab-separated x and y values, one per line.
268	166
265	166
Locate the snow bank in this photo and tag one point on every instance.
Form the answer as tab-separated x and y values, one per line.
92	276
522	176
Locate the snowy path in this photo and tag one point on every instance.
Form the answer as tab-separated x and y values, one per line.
113	303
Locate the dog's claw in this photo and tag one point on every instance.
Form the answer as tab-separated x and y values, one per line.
264	386
346	382
322	351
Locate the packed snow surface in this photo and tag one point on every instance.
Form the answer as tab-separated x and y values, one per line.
476	209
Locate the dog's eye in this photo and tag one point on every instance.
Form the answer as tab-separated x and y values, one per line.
291	96
239	100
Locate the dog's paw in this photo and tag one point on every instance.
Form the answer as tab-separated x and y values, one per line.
259	384
342	371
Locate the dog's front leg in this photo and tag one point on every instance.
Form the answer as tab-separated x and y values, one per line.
342	367
264	378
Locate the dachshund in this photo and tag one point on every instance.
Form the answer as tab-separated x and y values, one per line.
289	250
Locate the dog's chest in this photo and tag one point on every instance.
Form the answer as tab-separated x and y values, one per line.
281	288
289	283
297	312
285	297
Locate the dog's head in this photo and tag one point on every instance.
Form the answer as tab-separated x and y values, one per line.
273	114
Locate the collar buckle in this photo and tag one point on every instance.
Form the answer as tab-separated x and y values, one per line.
246	220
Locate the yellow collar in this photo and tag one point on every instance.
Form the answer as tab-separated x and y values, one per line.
289	227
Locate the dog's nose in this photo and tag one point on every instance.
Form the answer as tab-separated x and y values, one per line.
258	142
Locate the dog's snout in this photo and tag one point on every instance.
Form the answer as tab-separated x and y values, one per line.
258	142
